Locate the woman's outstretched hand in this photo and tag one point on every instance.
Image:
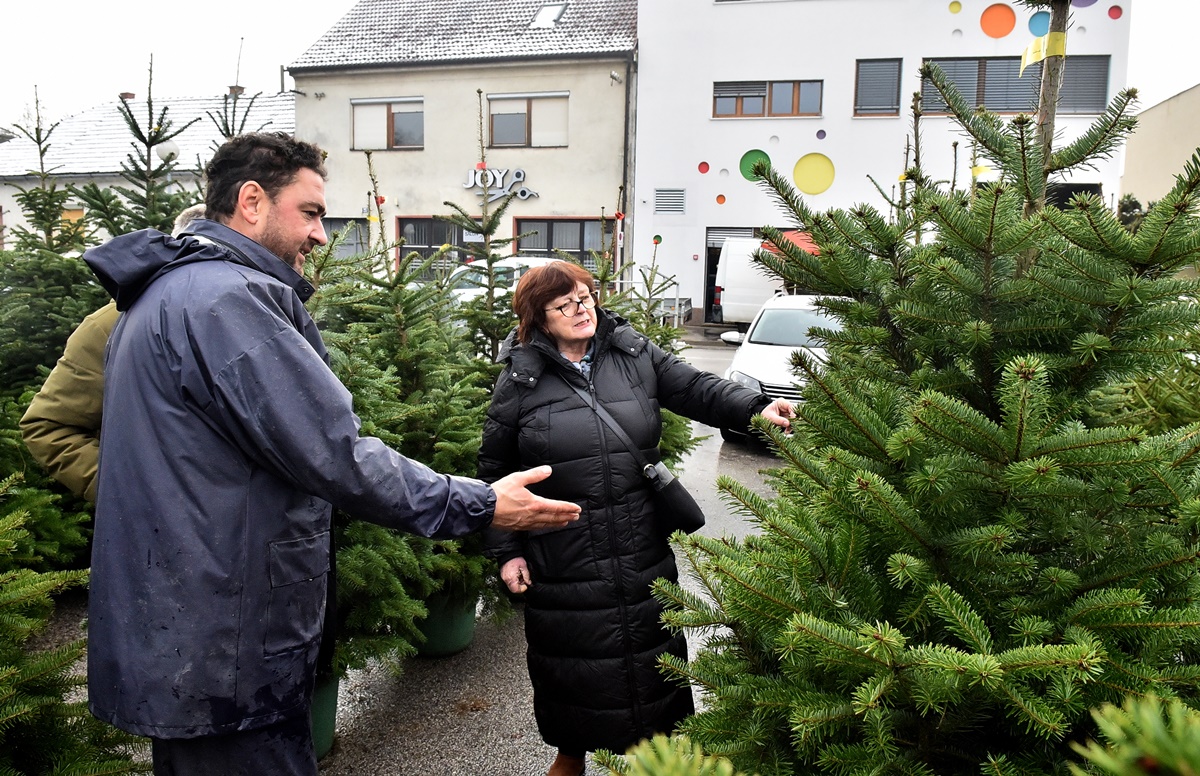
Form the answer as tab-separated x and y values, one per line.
779	412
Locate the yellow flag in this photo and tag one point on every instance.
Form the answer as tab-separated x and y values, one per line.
980	169
1053	44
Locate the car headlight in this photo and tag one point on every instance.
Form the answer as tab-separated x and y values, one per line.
746	380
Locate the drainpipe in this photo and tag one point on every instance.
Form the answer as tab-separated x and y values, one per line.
627	162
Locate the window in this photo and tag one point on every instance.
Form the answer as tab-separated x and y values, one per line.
770	98
739	98
795	98
577	237
354	241
996	84
427	235
877	87
528	120
381	124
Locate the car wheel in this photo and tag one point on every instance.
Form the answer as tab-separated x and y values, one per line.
737	437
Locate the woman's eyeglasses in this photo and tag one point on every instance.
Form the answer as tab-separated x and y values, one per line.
571	308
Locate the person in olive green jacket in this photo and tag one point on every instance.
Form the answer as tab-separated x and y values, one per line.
61	428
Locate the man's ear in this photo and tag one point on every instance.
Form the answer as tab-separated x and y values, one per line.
250	202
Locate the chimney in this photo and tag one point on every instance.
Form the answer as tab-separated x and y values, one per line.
126	95
236	91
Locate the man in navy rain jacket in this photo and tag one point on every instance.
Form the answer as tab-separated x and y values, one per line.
226	440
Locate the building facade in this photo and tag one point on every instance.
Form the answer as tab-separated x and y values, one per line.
448	96
1166	138
823	90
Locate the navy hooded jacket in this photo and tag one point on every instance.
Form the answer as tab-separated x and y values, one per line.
226	438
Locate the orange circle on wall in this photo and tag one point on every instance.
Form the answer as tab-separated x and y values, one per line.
998	20
720	199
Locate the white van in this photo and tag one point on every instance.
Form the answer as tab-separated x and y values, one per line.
741	285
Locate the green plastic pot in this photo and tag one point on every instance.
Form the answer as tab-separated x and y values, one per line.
324	713
450	626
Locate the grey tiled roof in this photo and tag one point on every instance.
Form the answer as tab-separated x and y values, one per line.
409	32
95	141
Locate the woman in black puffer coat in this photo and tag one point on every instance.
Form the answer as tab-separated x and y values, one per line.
591	623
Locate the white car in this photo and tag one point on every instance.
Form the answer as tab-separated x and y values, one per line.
763	358
468	282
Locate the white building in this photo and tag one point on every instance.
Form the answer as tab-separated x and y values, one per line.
90	146
823	89
405	79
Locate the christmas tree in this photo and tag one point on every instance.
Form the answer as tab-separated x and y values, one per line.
957	567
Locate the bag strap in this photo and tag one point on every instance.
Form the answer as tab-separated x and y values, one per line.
658	473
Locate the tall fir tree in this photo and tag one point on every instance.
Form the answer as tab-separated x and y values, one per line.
416	388
957	568
44	205
151	200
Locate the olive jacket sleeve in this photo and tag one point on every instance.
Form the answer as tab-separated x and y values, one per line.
61	427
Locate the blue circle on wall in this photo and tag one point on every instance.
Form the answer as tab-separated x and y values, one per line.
1039	23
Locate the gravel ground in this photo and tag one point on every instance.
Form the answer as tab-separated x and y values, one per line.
469	714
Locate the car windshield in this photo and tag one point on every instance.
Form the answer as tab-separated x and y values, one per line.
788	328
476	277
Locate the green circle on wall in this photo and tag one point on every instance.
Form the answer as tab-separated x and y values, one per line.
748	160
813	173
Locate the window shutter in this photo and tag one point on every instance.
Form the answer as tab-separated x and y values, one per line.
740	89
370	127
716	235
1085	85
669	200
1004	91
548	122
877	87
963	73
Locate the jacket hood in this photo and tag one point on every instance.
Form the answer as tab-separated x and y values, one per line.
128	264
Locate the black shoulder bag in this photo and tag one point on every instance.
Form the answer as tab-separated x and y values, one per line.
674	507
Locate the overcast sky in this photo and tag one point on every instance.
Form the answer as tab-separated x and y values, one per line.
80	54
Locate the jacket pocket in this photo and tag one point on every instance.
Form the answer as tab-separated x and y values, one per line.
561	553
299	577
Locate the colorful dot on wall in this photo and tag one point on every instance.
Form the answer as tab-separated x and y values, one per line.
1039	24
1115	12
813	173
720	199
702	167
820	134
955	7
998	20
748	160
1082	3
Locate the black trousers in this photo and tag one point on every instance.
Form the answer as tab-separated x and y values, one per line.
283	749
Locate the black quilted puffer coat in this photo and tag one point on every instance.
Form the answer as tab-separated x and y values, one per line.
592	626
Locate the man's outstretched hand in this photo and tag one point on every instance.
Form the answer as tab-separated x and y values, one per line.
519	510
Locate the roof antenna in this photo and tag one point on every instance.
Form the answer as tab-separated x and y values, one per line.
236	89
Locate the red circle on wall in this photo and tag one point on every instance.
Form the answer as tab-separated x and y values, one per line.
703	167
1115	12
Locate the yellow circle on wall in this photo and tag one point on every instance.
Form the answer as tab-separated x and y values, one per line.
813	173
955	7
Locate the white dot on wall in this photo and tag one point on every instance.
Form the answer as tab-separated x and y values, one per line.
1080	30
724	173
956	34
774	140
